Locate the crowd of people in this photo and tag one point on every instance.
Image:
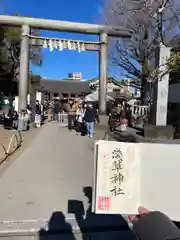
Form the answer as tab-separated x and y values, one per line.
9	120
81	116
12	119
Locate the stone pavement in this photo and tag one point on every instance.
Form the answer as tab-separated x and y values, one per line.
52	170
5	136
43	187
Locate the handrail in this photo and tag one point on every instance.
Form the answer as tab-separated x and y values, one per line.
3	148
12	146
139	110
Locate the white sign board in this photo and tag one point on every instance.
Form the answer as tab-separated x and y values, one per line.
163	86
129	175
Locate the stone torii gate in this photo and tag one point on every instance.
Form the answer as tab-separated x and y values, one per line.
62	26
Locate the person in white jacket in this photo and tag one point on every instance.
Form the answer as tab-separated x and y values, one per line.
80	120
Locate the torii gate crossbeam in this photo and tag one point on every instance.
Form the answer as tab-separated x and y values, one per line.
62	26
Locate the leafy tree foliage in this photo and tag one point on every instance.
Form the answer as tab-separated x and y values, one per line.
173	65
10	57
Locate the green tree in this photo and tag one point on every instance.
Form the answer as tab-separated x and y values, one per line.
34	78
3	55
10	56
173	64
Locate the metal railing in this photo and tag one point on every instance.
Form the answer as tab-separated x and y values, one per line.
139	111
14	143
63	119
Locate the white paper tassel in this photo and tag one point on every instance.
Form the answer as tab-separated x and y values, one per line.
50	45
83	47
55	45
69	45
45	44
78	47
73	46
60	45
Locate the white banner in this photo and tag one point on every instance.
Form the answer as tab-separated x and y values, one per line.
64	44
50	44
60	45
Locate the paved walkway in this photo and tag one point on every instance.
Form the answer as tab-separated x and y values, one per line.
52	170
5	136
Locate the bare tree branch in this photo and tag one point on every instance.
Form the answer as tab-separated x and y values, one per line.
149	25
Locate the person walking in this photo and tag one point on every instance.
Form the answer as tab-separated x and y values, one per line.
50	111
90	117
113	117
15	120
71	115
80	120
57	108
38	114
75	108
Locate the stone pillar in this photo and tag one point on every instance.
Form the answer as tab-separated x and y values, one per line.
162	87
158	129
24	68
103	73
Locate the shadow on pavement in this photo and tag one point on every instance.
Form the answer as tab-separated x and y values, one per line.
58	228
99	226
91	226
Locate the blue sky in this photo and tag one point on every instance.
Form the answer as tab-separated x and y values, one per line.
57	65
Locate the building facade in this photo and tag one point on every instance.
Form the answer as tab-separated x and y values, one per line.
114	87
75	76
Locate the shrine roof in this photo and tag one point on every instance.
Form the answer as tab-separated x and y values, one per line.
63	86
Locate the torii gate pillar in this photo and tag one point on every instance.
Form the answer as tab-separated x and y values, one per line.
55	25
103	72
24	68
